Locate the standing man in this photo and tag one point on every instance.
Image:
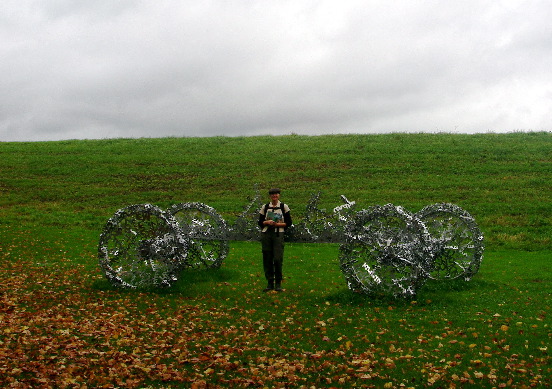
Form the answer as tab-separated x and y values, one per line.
274	218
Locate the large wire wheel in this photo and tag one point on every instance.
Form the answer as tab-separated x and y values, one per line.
207	231
385	252
141	246
458	241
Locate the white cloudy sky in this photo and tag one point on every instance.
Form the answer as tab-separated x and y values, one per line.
73	69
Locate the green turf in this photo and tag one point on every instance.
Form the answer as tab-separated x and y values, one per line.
63	325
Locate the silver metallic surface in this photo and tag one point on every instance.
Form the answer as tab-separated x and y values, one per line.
142	246
457	240
207	232
322	226
245	227
386	251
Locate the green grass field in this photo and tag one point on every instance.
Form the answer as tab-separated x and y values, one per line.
63	325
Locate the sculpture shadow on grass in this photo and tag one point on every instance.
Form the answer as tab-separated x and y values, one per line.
189	279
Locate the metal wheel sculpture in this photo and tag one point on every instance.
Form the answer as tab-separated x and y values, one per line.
457	238
385	252
207	232
384	249
141	246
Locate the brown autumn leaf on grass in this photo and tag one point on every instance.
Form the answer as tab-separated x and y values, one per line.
57	330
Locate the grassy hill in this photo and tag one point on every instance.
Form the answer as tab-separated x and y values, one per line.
503	180
63	325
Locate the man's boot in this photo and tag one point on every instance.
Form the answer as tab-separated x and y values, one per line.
269	287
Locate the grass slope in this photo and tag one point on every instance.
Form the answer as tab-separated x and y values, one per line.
63	325
503	180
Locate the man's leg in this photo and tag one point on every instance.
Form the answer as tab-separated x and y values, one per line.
268	262
278	258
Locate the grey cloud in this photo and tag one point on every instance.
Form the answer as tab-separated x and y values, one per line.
171	68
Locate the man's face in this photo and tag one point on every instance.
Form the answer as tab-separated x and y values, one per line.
275	196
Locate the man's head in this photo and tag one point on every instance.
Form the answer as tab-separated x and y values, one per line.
274	194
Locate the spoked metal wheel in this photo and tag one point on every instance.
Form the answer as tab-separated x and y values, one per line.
457	239
207	231
141	246
386	252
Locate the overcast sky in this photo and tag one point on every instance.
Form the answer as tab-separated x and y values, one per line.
76	69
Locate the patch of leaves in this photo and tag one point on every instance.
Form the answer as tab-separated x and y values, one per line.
57	330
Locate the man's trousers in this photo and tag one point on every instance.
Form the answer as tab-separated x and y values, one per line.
273	254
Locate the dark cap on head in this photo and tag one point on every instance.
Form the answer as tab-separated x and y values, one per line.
274	191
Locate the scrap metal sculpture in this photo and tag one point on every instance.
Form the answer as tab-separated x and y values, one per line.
386	250
206	231
142	246
457	241
383	249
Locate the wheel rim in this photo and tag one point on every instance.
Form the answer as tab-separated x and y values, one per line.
386	251
141	246
207	231
457	239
